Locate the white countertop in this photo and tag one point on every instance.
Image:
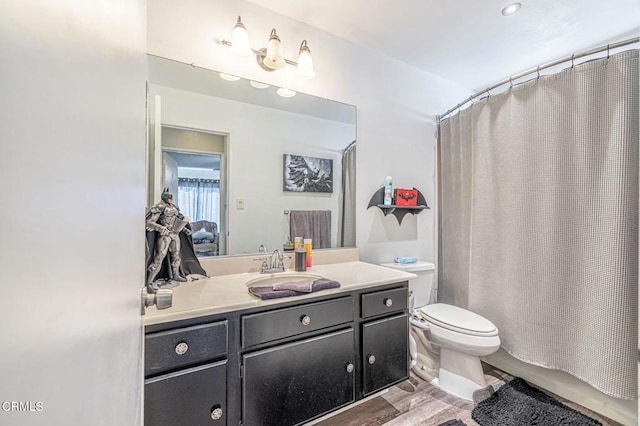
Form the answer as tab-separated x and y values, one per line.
229	292
418	266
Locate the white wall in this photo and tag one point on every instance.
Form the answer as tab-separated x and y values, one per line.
396	103
170	170
71	244
254	161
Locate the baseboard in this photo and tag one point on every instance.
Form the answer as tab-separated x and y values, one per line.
568	387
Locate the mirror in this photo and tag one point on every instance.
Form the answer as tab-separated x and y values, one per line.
260	158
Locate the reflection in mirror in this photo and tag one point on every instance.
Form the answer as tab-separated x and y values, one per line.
195	179
249	129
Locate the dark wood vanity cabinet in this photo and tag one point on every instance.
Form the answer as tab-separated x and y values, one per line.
384	353
280	364
276	324
194	397
186	375
289	384
385	338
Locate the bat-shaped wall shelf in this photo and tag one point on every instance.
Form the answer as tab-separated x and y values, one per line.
398	211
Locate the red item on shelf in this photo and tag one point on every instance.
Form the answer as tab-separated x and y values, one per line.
406	197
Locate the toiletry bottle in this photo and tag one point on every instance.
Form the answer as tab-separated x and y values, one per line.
296	242
388	191
301	258
307	245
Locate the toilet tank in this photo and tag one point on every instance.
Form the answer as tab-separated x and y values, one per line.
422	285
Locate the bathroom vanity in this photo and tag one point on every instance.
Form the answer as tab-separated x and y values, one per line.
275	362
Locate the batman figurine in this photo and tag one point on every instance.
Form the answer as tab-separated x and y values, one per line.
169	242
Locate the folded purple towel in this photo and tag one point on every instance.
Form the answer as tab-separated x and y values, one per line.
305	286
324	283
270	292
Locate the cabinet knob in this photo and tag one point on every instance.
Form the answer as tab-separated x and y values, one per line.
305	320
182	348
388	302
350	368
371	359
216	413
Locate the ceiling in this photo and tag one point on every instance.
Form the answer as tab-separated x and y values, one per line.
196	161
469	41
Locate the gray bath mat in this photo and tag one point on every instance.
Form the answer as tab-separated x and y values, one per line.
518	404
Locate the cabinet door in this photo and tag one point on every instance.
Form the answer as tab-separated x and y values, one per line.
194	397
385	352
289	384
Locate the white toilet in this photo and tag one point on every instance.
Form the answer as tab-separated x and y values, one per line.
446	341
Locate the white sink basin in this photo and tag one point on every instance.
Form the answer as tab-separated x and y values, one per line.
282	277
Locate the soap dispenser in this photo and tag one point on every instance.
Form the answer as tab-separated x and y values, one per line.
300	258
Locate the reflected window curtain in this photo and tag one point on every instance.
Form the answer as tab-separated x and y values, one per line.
348	226
199	199
538	219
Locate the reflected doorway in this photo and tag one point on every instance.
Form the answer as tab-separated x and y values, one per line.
196	180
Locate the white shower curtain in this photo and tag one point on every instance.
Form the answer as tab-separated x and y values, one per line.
538	219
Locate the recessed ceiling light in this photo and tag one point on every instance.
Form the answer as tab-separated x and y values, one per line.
229	77
286	93
258	85
510	9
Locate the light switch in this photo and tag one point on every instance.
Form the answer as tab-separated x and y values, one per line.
240	203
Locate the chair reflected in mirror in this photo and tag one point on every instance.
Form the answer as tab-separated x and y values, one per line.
205	238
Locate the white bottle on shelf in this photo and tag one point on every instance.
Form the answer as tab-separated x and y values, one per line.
388	191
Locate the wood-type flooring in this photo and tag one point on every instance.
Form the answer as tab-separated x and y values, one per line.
416	402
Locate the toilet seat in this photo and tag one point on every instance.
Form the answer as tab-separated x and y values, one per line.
458	320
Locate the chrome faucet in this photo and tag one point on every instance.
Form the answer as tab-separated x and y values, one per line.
273	263
277	261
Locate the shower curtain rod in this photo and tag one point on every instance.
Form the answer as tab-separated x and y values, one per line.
351	145
537	69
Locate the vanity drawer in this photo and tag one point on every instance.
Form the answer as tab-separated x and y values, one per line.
280	323
384	302
167	350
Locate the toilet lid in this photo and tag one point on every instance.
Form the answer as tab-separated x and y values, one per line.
458	319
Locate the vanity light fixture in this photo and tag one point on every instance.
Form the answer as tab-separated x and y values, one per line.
285	93
510	9
240	39
305	62
270	58
273	58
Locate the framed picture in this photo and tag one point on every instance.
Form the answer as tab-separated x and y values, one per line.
307	174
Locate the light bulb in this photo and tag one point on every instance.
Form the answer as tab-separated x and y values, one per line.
229	77
258	85
285	93
240	40
305	62
274	60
